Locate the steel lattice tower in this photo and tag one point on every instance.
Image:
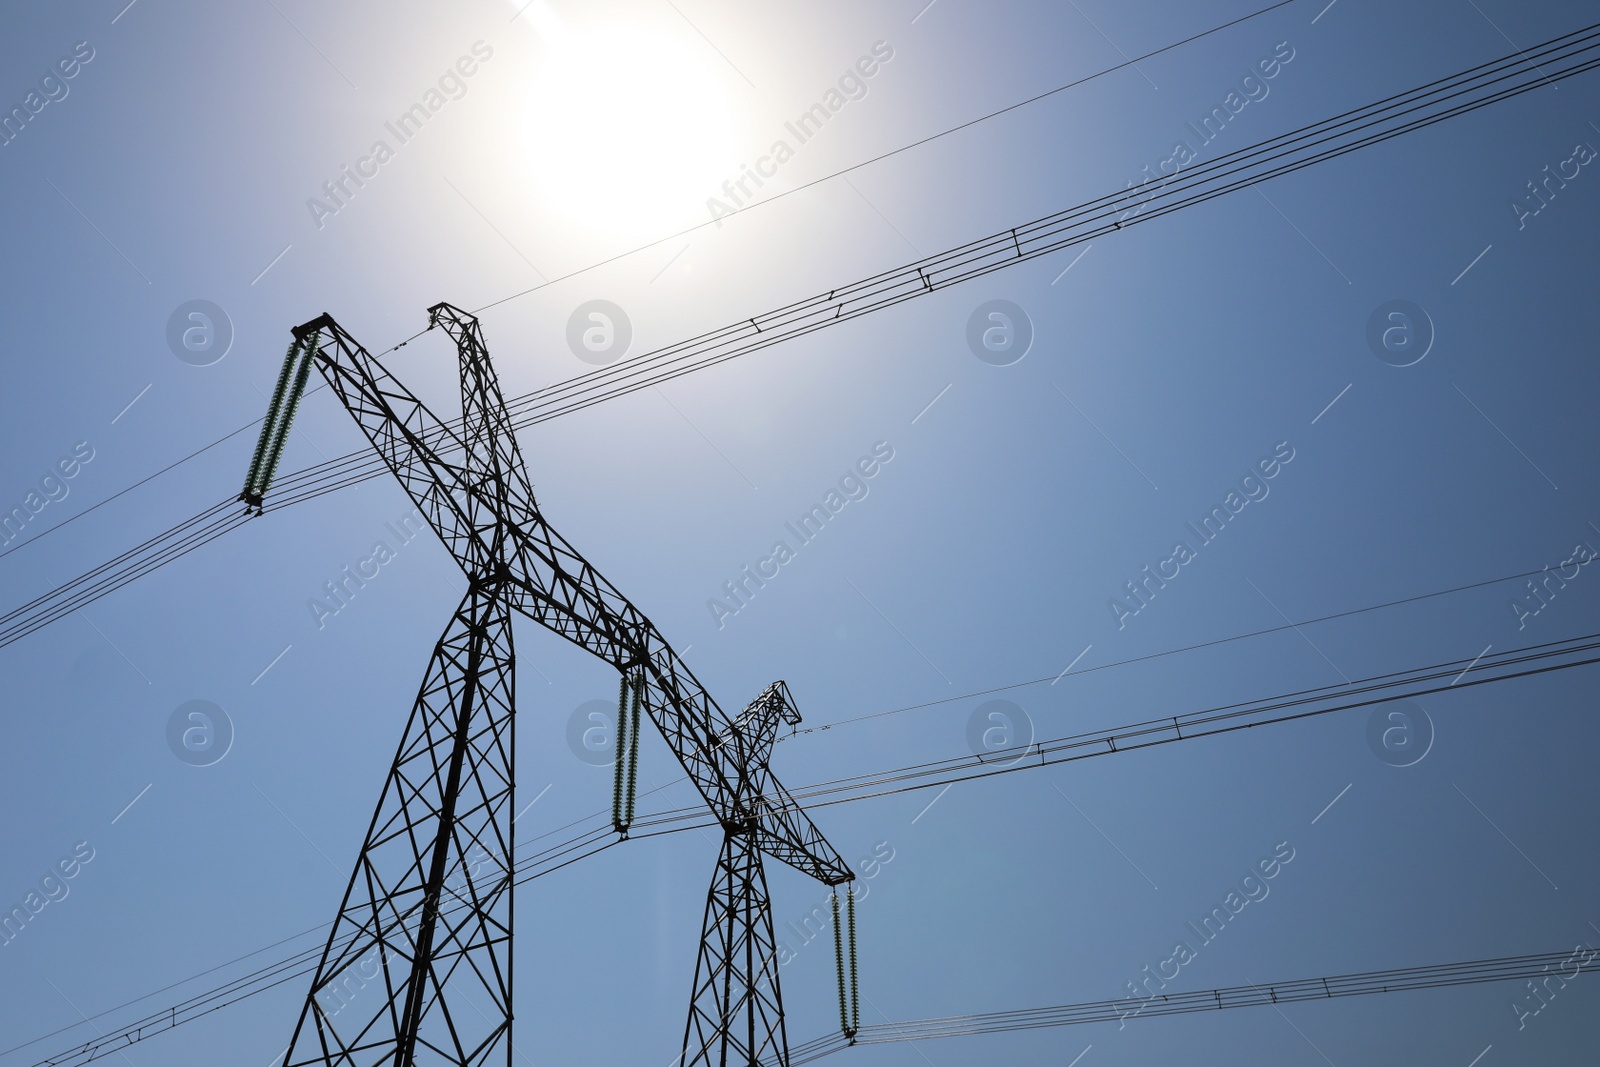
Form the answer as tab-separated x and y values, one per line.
417	969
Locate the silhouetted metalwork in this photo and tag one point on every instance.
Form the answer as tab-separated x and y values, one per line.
417	968
736	1011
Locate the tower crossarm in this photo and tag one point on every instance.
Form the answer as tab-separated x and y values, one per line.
781	827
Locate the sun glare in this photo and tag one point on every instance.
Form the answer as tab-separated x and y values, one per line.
631	130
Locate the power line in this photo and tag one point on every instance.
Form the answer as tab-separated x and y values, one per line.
584	840
123	492
201	530
1348	132
1510	76
1052	678
175	464
1308	703
271	975
1566	654
1250	995
1126	64
711	222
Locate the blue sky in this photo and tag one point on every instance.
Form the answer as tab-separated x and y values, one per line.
185	160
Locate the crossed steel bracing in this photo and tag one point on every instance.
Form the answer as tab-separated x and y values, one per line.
417	968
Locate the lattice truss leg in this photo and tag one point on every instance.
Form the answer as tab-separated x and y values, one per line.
736	1011
417	969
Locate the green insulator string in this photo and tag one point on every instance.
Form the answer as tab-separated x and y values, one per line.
291	405
838	962
633	746
252	479
855	1001
272	416
621	751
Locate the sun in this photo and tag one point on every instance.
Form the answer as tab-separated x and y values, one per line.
631	130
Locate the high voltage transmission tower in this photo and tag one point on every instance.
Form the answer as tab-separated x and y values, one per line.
431	891
429	904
